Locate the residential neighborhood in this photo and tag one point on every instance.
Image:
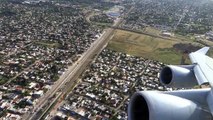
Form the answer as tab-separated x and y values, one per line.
39	40
178	16
106	86
58	61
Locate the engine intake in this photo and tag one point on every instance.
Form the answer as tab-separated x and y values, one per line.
139	108
178	76
154	105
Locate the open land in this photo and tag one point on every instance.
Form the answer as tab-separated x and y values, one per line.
164	50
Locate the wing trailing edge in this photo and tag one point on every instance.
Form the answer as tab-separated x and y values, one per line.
202	66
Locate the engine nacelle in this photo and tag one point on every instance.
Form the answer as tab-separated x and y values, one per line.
178	76
153	105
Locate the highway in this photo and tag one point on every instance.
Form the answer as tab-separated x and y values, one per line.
69	78
71	74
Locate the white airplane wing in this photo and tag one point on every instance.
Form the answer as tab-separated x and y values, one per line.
203	69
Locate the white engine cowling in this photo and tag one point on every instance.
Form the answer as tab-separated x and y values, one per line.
178	76
154	105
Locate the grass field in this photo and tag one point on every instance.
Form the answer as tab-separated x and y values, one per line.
146	46
152	30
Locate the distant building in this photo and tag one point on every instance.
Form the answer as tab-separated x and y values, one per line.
209	35
167	34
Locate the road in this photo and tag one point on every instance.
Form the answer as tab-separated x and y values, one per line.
69	78
71	74
90	15
181	18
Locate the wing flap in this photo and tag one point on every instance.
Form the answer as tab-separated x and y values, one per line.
202	66
201	78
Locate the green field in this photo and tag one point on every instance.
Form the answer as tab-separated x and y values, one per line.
146	46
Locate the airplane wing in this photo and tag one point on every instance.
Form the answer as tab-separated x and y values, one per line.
203	68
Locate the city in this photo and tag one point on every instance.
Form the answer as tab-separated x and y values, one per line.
80	59
103	92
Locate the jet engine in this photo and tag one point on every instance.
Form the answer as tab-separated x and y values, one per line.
194	104
178	76
177	105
